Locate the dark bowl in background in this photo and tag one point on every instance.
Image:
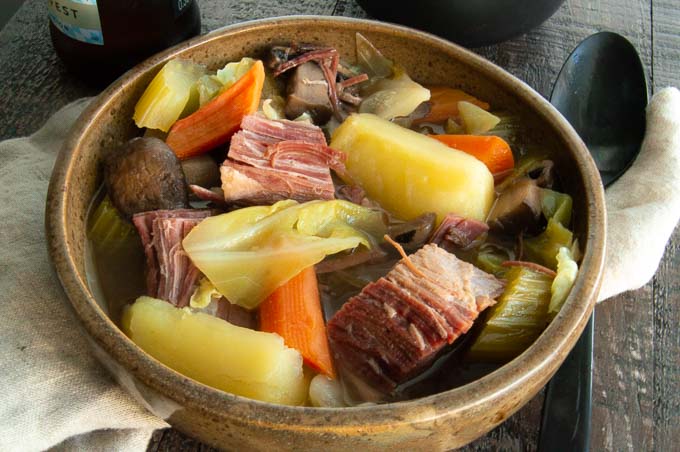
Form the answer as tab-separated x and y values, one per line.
471	23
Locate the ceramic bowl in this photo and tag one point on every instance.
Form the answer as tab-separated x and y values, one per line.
442	421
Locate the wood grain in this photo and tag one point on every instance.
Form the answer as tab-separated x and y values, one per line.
637	353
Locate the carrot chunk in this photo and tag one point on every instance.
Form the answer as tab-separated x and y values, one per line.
293	311
444	104
493	151
215	122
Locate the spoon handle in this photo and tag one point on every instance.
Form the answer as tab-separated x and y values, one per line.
567	409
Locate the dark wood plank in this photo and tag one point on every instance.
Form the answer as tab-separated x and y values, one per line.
666	44
666	284
666	380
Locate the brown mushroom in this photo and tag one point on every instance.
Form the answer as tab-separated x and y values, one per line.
517	209
145	175
308	92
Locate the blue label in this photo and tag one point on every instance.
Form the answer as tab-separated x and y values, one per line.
78	19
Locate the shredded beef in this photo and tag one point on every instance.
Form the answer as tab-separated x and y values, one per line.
171	275
457	232
273	160
396	325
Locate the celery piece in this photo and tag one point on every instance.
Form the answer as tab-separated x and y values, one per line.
167	95
108	231
561	286
556	205
491	257
510	128
517	319
544	247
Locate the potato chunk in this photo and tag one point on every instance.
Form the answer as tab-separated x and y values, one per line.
231	358
410	174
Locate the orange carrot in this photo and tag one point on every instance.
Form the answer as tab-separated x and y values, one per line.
444	104
293	311
215	122
493	151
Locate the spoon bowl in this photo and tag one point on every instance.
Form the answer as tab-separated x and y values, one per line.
602	91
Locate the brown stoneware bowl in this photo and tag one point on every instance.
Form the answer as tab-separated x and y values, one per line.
442	421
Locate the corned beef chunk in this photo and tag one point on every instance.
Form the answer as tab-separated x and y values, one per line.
273	160
396	325
170	274
457	232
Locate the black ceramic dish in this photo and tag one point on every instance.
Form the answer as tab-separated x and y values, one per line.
471	23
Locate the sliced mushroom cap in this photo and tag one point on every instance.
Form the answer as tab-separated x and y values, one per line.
201	170
308	92
543	173
145	175
517	209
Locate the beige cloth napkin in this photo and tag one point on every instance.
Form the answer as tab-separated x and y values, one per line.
643	206
54	393
52	389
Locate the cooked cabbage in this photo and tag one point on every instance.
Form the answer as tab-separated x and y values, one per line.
561	286
166	97
249	252
204	294
230	73
395	96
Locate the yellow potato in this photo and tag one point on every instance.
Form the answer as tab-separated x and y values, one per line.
210	350
409	173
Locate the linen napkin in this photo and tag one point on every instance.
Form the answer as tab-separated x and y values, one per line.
643	206
56	394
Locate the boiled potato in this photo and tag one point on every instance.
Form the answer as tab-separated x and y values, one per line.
410	174
210	350
476	120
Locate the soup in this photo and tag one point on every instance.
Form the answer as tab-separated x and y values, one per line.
304	230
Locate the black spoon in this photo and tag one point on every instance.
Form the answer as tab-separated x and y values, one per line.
602	91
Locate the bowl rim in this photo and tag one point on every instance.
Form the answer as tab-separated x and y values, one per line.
540	360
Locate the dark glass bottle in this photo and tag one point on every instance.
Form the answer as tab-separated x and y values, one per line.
101	39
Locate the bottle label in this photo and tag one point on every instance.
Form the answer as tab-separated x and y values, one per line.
78	19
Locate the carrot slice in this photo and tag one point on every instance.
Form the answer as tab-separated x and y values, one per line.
215	122
493	151
293	311
444	104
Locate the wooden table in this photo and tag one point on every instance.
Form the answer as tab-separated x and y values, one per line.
636	384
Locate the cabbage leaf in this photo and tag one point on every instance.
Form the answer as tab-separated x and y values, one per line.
395	96
563	282
248	253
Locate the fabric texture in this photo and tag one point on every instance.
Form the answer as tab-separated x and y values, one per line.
55	394
643	206
54	390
